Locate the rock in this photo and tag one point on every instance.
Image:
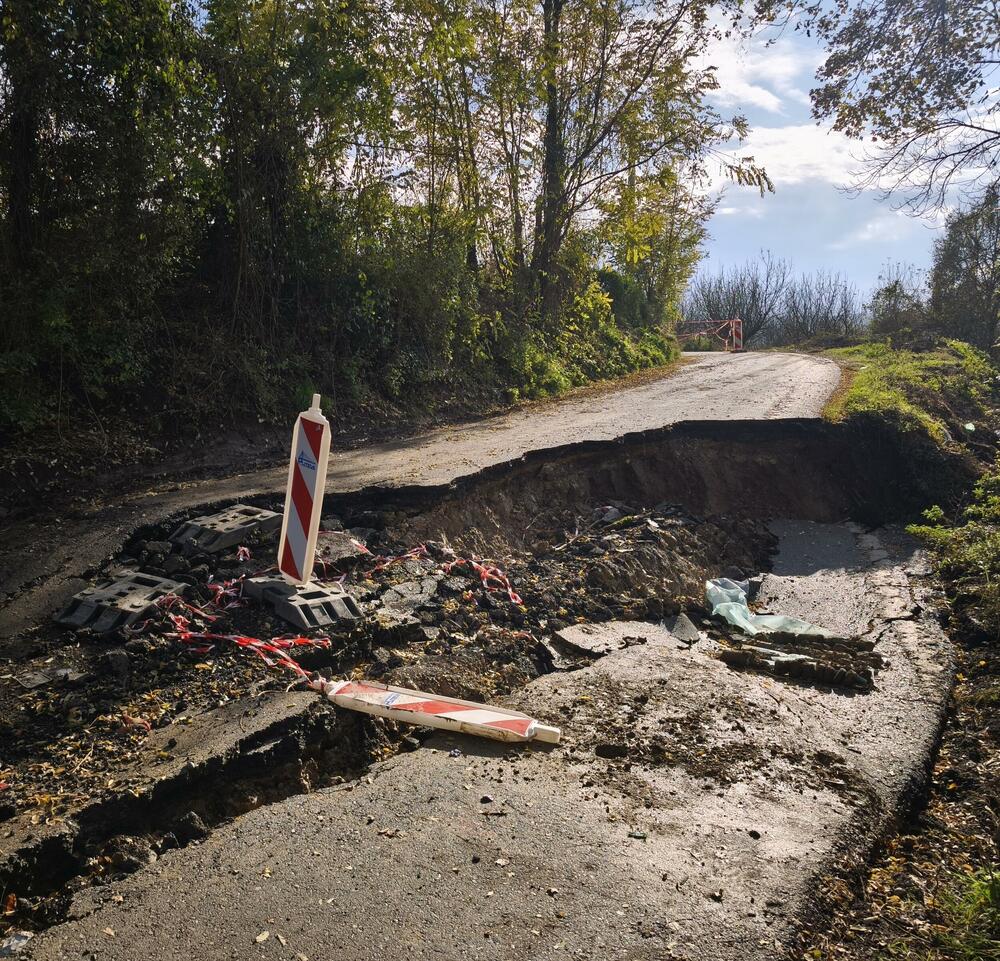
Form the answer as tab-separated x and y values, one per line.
189	828
168	842
375	520
391	627
682	628
128	854
138	646
336	546
363	534
383	661
594	640
118	663
159	547
175	564
410	595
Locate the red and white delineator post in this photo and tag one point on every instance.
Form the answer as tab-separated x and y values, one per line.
296	555
736	335
433	710
304	495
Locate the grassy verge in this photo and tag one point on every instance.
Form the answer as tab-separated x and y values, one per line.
933	893
939	392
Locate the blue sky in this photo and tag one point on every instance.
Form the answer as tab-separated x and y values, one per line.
809	219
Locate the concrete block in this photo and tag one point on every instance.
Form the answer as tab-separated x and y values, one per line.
307	606
228	528
117	603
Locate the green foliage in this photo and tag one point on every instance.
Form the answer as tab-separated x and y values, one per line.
973	904
967	921
214	209
914	79
967	551
965	278
935	391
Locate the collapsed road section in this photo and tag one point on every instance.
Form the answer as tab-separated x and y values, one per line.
694	803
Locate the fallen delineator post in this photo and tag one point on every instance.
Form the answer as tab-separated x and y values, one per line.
433	710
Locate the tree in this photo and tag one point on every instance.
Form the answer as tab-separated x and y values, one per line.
917	77
898	305
965	277
777	308
754	292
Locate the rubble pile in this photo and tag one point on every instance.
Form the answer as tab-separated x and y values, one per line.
87	715
835	662
77	704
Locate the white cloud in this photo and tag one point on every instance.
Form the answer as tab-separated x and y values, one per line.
755	74
755	211
799	153
885	228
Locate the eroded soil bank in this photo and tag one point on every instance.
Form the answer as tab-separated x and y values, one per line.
621	532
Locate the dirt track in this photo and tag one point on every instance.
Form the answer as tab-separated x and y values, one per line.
41	560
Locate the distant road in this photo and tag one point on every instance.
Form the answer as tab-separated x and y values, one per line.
712	386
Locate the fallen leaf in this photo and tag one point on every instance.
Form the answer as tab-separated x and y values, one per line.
262	937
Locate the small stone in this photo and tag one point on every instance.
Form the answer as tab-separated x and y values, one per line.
118	663
190	828
175	564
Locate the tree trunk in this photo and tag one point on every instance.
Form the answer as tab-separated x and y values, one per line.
548	231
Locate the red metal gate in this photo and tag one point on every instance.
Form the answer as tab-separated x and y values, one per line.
730	332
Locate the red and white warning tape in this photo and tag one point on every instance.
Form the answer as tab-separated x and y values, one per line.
487	575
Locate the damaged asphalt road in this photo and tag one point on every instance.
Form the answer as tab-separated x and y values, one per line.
165	797
41	562
691	810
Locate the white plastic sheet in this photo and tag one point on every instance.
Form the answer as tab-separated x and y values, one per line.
728	599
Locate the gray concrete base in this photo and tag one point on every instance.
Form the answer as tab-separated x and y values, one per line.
229	528
117	603
307	607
